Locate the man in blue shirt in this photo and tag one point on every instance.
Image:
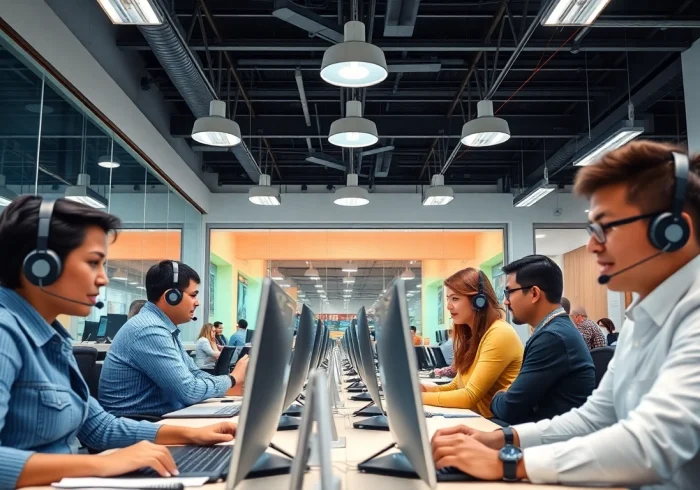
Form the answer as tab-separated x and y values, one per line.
238	338
447	349
557	372
147	370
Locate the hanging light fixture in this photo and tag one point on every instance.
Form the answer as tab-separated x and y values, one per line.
216	129
108	162
407	275
349	267
486	129
263	194
83	194
311	272
119	275
354	63
276	274
438	194
133	12
353	130
535	193
573	12
352	194
348	280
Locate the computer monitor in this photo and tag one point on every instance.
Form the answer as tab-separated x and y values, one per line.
249	334
301	359
89	331
265	386
102	328
438	336
114	323
324	345
422	357
360	337
398	370
318	345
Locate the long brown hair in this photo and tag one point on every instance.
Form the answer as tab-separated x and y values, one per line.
608	324
466	338
205	332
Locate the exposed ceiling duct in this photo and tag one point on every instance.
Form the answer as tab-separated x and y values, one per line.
189	79
400	18
305	19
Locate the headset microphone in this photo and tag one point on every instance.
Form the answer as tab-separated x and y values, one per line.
98	305
194	318
605	278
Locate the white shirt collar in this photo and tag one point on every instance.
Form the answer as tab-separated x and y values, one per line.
661	301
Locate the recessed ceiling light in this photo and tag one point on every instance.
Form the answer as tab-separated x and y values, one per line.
318	286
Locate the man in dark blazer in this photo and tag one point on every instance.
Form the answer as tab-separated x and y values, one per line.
557	372
220	339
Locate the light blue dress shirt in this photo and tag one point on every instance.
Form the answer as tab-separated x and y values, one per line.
238	338
148	371
45	405
204	354
448	352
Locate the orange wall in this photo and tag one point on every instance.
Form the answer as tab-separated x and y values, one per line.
146	245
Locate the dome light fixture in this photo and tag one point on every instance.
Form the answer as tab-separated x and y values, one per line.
486	129
407	275
349	267
216	129
106	161
276	274
311	272
264	195
438	194
352	194
354	63
353	130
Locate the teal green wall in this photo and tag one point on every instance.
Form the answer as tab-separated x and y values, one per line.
252	299
487	267
430	304
223	295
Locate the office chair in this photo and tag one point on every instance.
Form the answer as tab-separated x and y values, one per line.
440	361
86	357
222	366
601	358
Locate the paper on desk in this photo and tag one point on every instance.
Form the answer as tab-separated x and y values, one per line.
129	482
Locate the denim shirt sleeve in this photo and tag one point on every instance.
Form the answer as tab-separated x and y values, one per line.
12	460
102	430
156	354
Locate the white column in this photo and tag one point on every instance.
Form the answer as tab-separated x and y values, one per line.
691	82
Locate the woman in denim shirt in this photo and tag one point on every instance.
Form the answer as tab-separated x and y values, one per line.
45	406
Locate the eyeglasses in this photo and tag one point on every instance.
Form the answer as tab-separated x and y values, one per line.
506	292
598	231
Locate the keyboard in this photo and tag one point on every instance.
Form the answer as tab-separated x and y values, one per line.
453	474
211	461
231	410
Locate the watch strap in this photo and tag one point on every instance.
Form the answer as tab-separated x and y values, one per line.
233	380
510	471
508	434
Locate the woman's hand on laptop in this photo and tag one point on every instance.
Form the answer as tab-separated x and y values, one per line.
143	454
212	434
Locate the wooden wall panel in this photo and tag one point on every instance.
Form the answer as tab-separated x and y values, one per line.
581	283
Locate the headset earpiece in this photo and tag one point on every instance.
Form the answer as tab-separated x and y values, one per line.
479	301
173	296
42	266
669	231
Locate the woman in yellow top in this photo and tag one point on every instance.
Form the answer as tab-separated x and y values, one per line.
488	351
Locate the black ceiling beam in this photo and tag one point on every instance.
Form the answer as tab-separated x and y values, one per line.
400	19
307	20
432	46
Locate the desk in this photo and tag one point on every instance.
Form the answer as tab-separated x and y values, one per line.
360	444
189	346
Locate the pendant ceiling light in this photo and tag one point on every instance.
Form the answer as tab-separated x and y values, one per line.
349	267
107	161
264	195
438	194
354	63
353	130
407	275
311	272
486	129
276	274
352	194
348	280
83	194
216	129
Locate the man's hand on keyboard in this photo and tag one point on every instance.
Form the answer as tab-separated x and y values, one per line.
143	454
212	434
465	453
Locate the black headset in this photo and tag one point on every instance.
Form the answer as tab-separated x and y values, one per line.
669	231
173	296
42	266
480	301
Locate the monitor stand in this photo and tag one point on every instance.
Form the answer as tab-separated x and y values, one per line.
295	410
379	422
270	465
395	464
361	397
368	410
288	423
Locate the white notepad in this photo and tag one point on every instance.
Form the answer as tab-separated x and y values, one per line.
129	482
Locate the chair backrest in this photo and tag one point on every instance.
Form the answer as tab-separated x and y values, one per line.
440	361
601	358
86	357
224	360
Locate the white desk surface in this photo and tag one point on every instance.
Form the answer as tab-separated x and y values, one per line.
360	444
105	347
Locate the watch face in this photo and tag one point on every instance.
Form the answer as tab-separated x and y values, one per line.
511	453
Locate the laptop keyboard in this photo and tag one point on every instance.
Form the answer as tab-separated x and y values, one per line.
453	474
231	410
197	460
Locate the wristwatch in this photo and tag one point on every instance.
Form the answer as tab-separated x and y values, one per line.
508	434
233	380
510	456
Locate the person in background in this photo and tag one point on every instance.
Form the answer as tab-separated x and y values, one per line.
220	338
135	307
416	339
147	370
45	405
205	349
558	372
608	325
566	304
640	428
592	335
447	349
488	351
238	338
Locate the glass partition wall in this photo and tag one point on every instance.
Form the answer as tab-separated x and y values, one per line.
53	146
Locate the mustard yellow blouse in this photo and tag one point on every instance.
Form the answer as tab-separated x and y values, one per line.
495	367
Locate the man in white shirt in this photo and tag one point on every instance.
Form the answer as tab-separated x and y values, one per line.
641	427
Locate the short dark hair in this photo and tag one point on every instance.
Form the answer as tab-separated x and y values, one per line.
540	271
19	228
217	324
566	304
242	324
159	278
636	165
413	328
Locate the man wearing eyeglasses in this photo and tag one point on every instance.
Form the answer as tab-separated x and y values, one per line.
641	427
557	372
